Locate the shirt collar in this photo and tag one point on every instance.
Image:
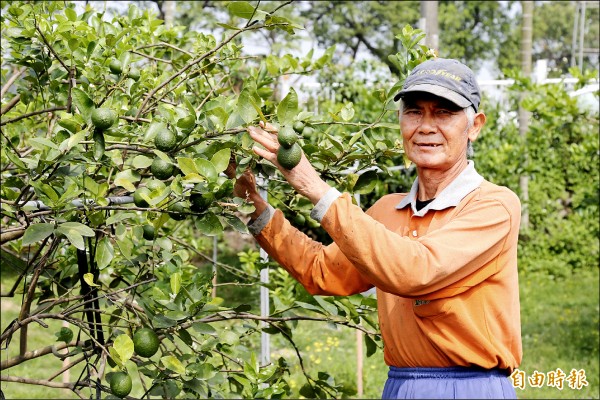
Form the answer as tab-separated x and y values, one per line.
465	183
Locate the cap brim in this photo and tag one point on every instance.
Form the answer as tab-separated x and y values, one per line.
439	91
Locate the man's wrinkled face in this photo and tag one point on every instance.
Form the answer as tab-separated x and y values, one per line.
435	131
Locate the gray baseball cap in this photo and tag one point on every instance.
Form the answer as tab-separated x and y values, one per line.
445	78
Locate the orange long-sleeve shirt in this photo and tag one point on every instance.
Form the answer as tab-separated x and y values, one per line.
446	276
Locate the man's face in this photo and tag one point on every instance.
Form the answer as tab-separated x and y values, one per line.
434	131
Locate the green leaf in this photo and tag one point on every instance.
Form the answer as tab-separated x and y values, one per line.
36	232
75	139
70	124
347	112
241	9
175	282
173	363
104	253
15	160
187	165
89	279
206	169
327	306
201	371
288	108
42	143
119	216
235	223
75	238
123	345
126	179
370	345
164	243
84	104
71	14
204	328
366	182
64	335
246	106
78	227
115	356
141	161
209	224
99	145
220	160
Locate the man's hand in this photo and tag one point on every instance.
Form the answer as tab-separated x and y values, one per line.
303	177
245	187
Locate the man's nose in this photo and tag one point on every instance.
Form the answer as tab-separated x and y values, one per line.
428	123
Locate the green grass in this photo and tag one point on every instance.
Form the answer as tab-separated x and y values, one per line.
560	329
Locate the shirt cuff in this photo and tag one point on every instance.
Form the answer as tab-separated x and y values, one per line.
256	226
324	203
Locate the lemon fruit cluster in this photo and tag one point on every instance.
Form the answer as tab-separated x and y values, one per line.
290	152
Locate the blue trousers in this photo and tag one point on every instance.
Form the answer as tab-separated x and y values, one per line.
447	383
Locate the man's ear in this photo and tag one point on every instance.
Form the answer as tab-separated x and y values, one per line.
478	123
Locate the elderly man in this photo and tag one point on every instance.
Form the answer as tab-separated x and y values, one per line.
443	257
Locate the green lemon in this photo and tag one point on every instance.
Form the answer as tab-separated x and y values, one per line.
298	126
133	73
138	200
201	202
289	158
148	232
299	219
287	137
103	118
161	169
120	384
145	342
115	66
165	140
307	132
176	211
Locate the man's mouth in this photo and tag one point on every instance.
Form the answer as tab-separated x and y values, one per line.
428	144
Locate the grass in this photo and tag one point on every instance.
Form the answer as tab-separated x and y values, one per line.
560	329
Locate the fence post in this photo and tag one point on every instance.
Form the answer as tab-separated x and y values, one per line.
265	345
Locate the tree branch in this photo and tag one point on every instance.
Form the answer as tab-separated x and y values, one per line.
11	103
189	65
31	114
41	382
30	355
10	81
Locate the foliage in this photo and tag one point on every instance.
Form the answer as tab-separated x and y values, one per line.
560	155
